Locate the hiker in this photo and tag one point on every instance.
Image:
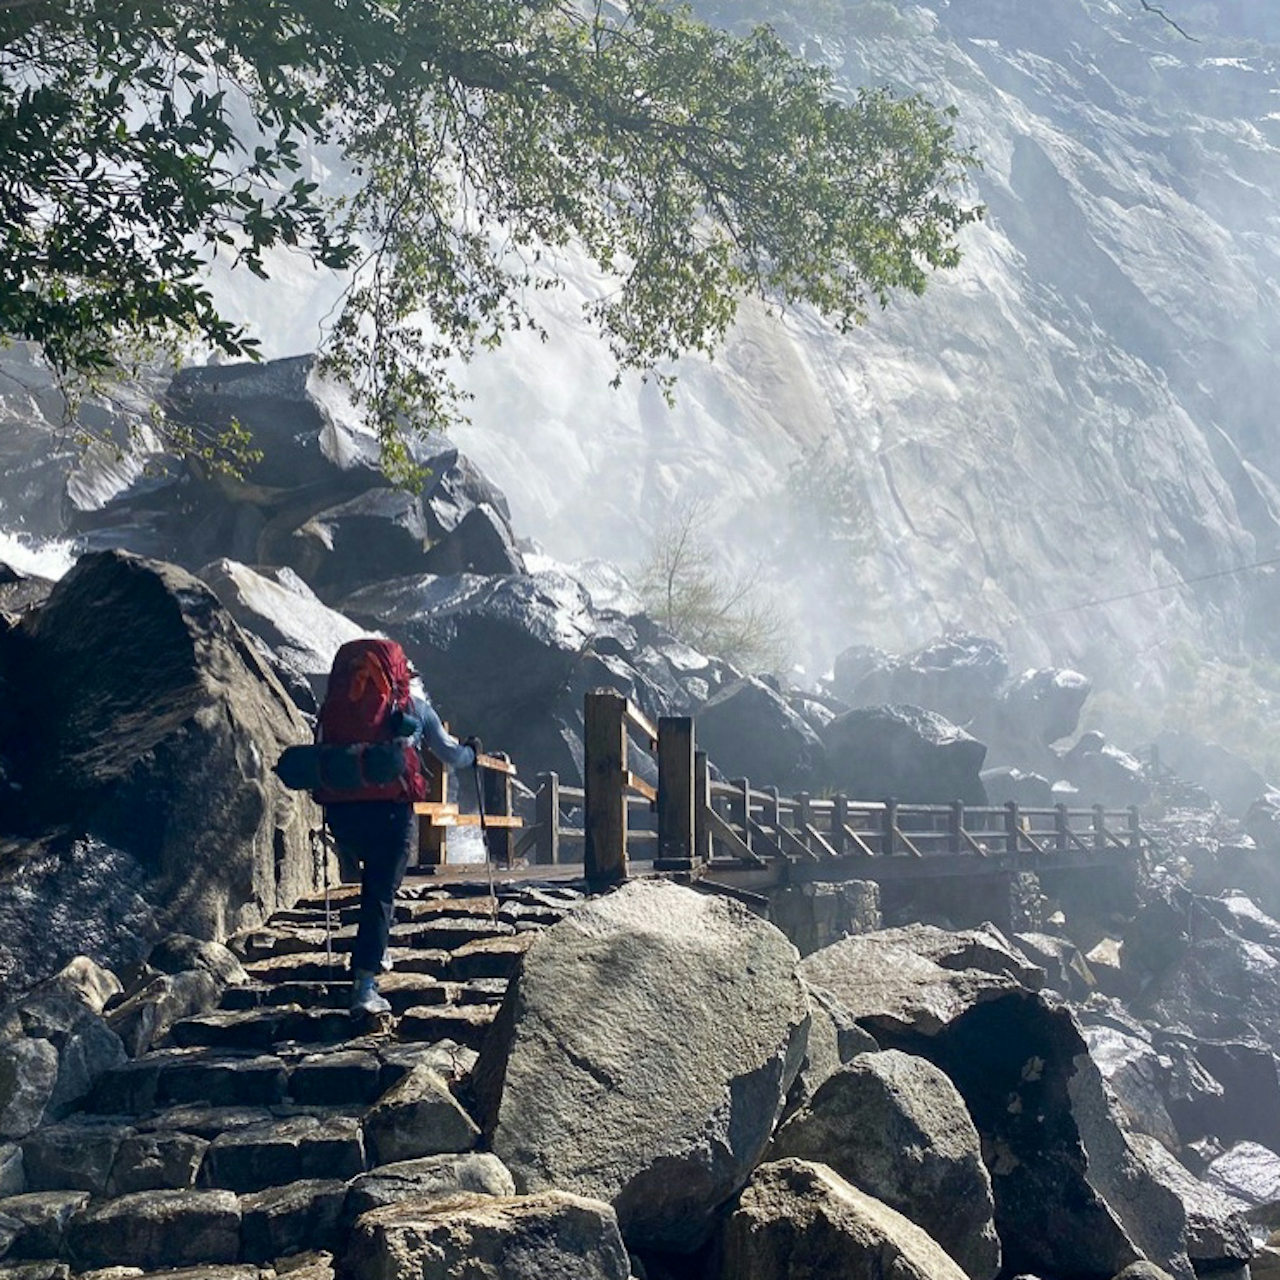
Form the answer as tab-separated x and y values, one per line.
375	695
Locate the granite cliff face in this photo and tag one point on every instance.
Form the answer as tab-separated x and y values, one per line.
1082	411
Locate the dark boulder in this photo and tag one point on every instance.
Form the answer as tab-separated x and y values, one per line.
482	542
154	726
277	607
956	676
1072	1196
1103	773
749	731
1042	706
484	645
62	897
1009	785
903	752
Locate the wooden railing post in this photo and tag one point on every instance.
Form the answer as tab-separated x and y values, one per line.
1099	827
742	805
1135	829
546	810
676	795
701	803
956	826
889	839
772	816
431	844
1062	827
605	772
1011	829
496	788
840	823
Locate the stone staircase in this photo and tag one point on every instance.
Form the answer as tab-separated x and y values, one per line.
249	1144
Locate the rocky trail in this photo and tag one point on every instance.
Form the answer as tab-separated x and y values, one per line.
268	1124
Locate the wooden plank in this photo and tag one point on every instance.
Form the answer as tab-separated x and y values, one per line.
605	741
859	843
636	783
434	808
701	803
781	836
638	720
730	838
814	834
911	849
761	832
495	764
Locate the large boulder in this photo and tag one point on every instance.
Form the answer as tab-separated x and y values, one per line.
958	676
1038	708
485	646
748	731
904	752
1103	773
282	611
153	726
894	1126
798	1218
476	1237
604	1077
62	897
1071	1195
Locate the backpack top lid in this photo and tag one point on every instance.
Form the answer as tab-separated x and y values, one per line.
368	681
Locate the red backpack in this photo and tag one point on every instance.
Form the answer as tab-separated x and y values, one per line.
368	684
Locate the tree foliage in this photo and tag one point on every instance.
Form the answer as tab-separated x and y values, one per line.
483	139
685	586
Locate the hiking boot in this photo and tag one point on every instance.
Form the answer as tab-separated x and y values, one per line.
365	997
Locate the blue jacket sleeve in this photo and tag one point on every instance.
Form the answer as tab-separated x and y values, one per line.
442	745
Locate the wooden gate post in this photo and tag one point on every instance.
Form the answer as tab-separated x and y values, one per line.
605	772
546	811
675	794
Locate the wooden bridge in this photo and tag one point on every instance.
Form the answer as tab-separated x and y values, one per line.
755	839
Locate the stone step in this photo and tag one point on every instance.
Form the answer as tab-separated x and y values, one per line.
403	990
279	1151
263	1029
496	957
433	933
314	966
466	1025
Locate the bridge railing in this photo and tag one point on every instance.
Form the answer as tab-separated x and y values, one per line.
689	822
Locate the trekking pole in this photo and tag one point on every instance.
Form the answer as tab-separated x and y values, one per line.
484	836
327	841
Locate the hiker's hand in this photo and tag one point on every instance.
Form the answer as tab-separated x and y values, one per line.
475	744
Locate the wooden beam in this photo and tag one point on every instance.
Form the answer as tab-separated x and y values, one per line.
731	839
638	720
496	764
637	784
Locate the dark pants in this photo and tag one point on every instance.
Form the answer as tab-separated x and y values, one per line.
381	835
